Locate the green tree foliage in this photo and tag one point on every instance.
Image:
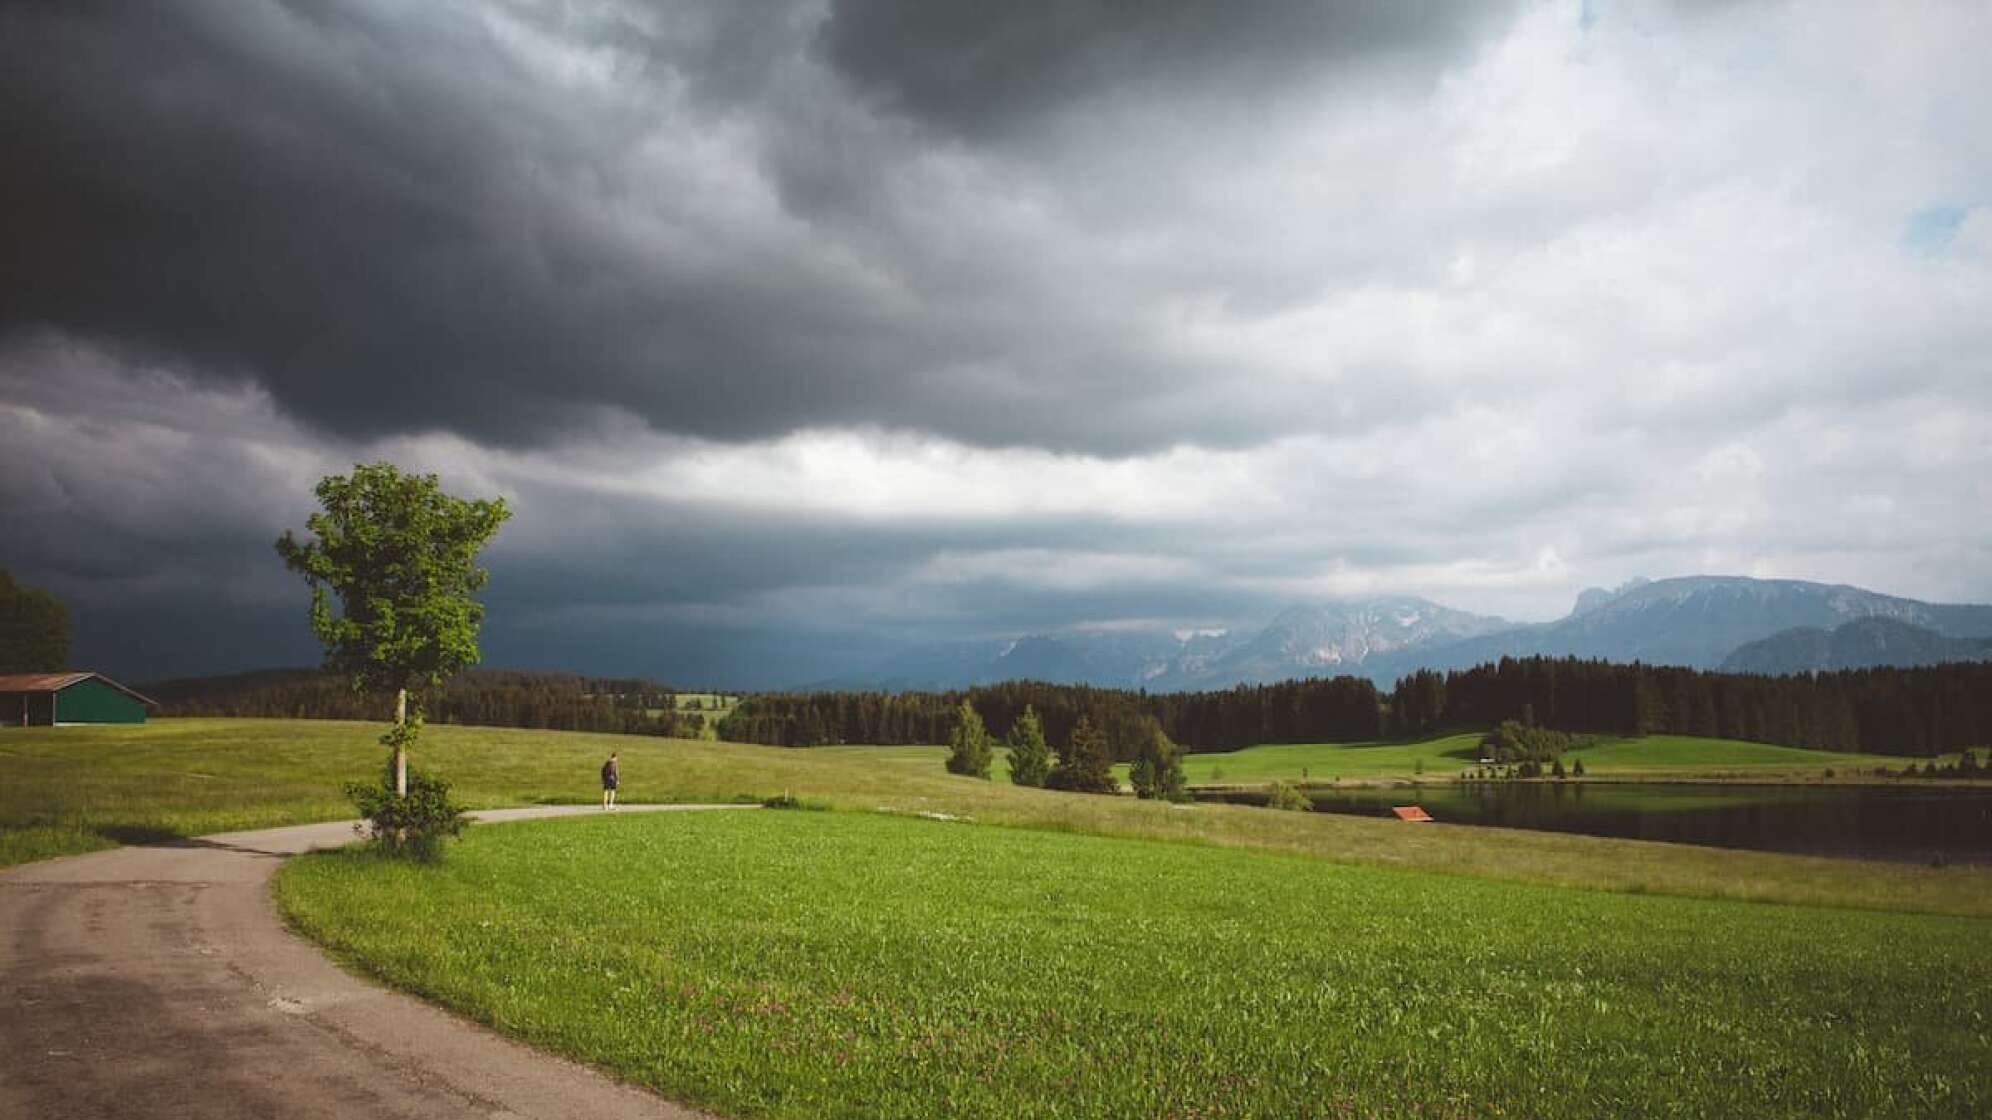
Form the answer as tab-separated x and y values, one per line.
968	747
1918	712
1158	770
1513	741
1030	755
399	555
1311	711
34	629
1288	797
485	697
1576	767
1418	704
1084	766
414	822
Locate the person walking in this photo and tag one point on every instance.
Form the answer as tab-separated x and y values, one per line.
611	777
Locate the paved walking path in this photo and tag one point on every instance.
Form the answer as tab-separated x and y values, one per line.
160	982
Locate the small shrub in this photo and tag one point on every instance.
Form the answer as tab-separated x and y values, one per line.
787	800
1284	795
1576	767
411	827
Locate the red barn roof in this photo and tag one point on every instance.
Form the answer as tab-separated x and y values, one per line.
56	682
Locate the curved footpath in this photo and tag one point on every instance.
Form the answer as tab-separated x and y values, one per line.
161	982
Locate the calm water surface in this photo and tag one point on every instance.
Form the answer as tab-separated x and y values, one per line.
1912	823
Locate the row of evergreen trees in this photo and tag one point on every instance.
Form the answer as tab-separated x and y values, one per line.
485	697
1340	709
1083	765
1917	712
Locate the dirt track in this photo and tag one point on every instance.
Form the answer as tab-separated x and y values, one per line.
160	982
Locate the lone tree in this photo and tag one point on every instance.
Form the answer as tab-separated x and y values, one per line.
1085	765
34	629
1030	755
968	749
1158	769
398	553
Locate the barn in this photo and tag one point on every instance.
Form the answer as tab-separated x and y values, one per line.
56	699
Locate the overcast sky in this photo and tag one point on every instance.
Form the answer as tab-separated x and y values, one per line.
794	332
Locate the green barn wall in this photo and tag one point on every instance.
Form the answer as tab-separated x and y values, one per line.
92	701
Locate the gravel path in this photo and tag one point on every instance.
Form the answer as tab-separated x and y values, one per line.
160	982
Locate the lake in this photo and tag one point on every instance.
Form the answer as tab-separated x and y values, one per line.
1918	823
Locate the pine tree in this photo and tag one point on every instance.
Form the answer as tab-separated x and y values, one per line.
1084	766
1030	755
968	748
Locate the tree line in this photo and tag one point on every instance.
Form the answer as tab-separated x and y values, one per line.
1915	712
1335	709
485	697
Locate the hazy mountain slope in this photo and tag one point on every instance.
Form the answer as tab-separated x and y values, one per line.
1698	621
1862	644
1330	639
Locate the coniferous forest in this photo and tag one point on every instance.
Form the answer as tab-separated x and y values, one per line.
485	697
1915	712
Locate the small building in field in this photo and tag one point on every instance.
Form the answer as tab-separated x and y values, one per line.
59	699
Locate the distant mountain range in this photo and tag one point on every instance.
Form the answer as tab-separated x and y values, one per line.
1864	643
1705	622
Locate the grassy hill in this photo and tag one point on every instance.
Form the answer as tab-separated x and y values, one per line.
76	789
1095	956
1652	756
853	964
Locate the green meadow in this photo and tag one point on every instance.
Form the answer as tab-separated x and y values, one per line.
76	789
1654	756
787	964
1040	953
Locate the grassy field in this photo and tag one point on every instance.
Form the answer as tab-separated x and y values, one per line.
706	708
65	790
853	964
1443	758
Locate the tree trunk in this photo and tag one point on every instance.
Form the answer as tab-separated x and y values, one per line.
400	751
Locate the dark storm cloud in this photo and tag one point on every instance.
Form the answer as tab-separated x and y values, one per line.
980	68
359	207
796	331
504	221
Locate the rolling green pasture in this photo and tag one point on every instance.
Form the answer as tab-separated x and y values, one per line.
855	964
707	708
1652	756
66	790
